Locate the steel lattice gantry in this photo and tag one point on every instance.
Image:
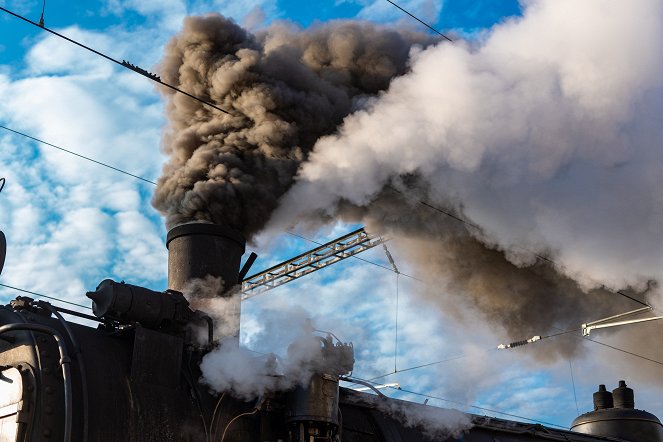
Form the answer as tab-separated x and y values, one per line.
316	259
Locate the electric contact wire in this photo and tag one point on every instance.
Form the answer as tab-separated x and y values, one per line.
564	332
452	215
123	63
76	154
461	356
116	169
624	351
421	21
396	334
44	296
424	203
608	345
464	404
490	410
573	384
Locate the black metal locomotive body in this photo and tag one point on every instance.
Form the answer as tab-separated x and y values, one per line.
135	377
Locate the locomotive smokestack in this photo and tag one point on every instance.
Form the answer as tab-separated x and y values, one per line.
197	250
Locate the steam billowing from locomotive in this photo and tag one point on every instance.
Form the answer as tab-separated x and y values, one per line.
545	142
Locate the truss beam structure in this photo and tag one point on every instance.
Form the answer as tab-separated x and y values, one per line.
309	262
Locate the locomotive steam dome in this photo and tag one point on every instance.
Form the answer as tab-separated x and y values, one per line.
620	421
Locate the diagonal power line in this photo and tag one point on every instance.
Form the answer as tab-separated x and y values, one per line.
125	64
420	21
77	154
39	295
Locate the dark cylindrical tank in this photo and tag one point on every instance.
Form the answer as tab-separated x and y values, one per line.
623	422
197	250
316	402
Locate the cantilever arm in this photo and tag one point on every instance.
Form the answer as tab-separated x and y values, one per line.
604	323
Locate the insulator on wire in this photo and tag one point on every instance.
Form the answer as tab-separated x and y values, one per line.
519	343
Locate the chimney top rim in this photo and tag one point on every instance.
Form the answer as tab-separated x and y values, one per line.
204	228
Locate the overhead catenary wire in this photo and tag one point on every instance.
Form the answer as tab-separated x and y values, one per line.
573	385
116	169
420	21
122	63
458	218
39	295
493	349
396	321
424	203
464	404
623	351
478	407
462	356
76	154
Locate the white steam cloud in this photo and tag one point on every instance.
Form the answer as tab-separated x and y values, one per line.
546	133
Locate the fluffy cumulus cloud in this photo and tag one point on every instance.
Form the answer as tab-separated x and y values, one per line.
69	222
542	132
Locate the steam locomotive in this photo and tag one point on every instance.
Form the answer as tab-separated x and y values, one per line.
135	377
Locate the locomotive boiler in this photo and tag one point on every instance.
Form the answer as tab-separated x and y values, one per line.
136	375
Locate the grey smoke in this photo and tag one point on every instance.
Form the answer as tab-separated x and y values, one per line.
284	87
544	134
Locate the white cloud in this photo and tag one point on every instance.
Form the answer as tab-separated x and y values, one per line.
71	223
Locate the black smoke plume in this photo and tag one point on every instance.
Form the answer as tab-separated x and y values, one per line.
284	89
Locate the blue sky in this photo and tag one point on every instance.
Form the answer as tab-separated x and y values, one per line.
71	223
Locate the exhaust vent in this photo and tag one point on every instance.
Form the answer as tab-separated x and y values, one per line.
197	250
